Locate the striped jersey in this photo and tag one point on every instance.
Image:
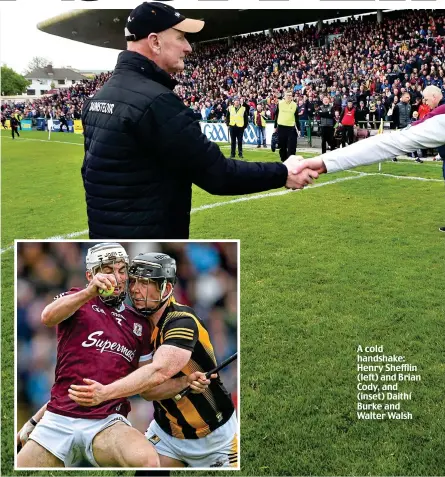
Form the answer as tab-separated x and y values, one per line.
195	415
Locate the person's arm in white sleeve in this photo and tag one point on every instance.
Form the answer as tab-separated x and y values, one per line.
429	134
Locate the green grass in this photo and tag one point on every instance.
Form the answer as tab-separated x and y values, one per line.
322	271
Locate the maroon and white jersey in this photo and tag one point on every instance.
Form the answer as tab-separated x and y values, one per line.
101	343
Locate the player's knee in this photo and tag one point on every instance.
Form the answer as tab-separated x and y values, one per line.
153	458
22	461
147	459
142	455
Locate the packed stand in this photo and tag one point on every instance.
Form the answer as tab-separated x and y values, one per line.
66	102
360	60
207	281
364	61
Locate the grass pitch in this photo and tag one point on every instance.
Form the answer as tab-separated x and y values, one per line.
357	260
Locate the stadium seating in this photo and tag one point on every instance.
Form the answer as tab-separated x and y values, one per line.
406	47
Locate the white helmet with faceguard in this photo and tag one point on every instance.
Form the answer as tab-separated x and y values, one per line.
108	254
155	267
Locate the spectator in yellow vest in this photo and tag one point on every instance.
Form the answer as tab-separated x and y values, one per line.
18	116
287	125
259	119
14	125
236	119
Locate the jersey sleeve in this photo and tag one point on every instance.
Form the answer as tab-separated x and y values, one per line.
426	135
181	332
69	292
67	321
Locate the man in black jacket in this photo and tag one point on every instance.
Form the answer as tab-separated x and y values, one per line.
143	147
327	125
402	112
14	123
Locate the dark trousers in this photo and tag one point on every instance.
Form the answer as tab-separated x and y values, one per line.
14	129
236	134
287	141
327	136
63	123
349	131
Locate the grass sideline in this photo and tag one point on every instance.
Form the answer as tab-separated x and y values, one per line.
322	271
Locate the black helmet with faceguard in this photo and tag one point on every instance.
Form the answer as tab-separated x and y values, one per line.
157	268
107	254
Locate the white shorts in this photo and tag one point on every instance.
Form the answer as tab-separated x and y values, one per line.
71	438
217	449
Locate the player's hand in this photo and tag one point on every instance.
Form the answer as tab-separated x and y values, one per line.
198	382
101	281
91	394
23	434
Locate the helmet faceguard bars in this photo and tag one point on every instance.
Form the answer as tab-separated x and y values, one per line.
108	254
157	267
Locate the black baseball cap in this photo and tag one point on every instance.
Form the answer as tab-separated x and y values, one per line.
154	17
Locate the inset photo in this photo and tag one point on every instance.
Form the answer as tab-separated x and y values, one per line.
126	355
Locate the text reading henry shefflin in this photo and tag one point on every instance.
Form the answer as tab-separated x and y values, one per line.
379	375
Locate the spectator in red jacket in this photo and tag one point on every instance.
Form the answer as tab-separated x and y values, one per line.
347	119
424	109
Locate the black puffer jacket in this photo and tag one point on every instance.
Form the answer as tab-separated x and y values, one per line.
143	151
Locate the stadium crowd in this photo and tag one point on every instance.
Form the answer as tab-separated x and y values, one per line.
361	60
67	101
207	281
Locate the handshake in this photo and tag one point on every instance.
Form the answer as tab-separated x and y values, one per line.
301	172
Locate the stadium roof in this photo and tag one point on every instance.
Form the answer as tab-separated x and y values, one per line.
106	27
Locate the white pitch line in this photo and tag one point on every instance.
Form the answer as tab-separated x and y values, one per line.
212	206
67	236
414	178
255	197
223	146
43	140
406	177
274	194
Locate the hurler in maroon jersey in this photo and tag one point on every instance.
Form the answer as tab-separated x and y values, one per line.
97	336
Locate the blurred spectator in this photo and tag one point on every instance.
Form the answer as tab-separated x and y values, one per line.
348	121
361	114
402	112
259	119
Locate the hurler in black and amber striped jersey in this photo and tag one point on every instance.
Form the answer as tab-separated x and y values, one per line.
199	430
195	415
